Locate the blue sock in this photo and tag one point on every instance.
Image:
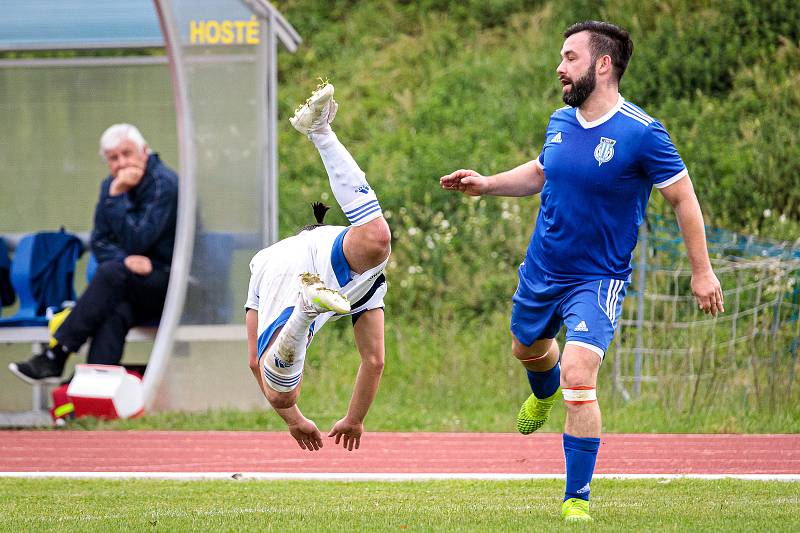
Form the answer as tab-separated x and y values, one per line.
545	384
580	455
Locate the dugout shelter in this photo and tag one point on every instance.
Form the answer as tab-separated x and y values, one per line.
199	79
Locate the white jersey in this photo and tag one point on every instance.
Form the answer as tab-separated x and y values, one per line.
275	279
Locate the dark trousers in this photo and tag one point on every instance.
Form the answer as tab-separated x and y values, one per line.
115	301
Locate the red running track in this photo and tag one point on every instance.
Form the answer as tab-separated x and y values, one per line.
453	453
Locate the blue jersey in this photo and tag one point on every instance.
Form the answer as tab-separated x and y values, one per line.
598	178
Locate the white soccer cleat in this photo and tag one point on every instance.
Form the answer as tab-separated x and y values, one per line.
318	111
320	298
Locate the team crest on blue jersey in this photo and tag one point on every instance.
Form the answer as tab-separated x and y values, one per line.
604	151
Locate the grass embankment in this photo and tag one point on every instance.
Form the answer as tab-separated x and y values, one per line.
455	377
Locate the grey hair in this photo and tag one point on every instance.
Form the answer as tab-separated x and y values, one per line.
118	133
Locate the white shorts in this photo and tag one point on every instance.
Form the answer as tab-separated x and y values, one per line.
275	279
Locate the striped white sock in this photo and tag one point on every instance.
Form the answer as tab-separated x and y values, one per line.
283	363
348	181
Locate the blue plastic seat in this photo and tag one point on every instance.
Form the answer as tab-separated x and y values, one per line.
7	294
208	297
42	273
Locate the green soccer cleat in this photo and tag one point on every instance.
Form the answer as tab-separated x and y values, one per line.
534	413
317	298
575	510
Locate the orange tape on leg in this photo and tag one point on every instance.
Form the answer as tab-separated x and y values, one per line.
579	395
532	359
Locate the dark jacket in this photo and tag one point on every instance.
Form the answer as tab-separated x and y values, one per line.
139	222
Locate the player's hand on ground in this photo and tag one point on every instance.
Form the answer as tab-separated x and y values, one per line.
306	434
139	264
708	293
348	433
467	181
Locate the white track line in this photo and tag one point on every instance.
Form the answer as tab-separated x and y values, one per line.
343	476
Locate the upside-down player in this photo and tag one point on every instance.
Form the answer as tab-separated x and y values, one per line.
601	157
322	273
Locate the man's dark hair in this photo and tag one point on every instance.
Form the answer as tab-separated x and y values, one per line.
606	39
319	215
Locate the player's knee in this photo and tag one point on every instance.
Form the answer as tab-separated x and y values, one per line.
528	355
378	238
573	376
375	362
579	396
577	386
538	350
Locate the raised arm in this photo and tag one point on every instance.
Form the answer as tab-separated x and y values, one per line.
524	180
705	285
368	332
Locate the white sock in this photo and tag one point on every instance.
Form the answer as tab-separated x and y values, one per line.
291	342
283	363
348	181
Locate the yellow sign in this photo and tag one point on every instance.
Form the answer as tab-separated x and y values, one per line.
224	31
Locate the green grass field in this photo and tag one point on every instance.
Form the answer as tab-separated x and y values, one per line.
643	505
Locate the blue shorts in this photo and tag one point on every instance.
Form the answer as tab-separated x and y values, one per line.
590	309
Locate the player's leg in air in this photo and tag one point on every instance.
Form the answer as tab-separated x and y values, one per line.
367	242
541	362
534	325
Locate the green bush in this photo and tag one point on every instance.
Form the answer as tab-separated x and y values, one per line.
428	87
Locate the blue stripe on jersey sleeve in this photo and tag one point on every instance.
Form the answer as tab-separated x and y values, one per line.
339	262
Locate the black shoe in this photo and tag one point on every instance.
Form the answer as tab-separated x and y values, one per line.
37	368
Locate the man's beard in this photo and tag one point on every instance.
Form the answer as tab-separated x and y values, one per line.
581	89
